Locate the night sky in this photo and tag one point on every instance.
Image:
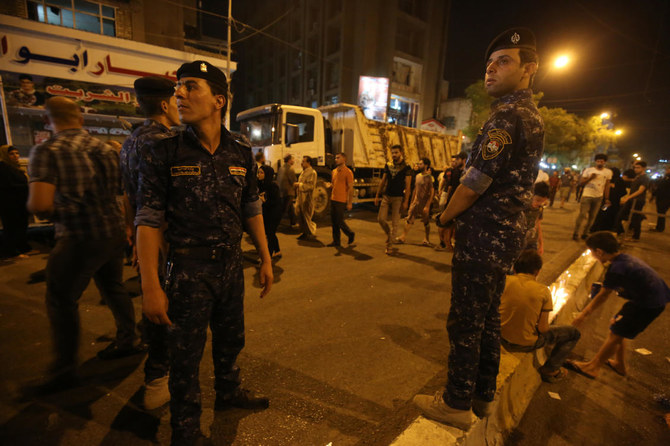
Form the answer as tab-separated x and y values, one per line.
620	60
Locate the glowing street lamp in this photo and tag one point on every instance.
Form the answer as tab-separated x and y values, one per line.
618	132
604	115
561	61
635	155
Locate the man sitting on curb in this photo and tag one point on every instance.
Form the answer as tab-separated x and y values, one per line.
524	317
646	294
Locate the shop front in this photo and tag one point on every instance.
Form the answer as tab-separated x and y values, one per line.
39	61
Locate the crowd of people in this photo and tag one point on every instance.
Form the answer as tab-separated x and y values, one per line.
191	188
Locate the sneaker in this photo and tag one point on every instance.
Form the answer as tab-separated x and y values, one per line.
435	408
156	393
114	351
243	399
302	237
482	408
351	238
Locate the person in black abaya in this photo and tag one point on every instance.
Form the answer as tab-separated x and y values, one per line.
13	198
272	208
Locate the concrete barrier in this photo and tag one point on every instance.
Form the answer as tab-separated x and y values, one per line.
518	378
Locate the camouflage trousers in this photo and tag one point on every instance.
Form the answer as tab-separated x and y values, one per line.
483	255
203	293
473	325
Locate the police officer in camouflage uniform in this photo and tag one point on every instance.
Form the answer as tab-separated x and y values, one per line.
155	96
202	182
488	211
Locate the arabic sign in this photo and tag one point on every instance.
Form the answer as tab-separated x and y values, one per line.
373	96
32	48
32	91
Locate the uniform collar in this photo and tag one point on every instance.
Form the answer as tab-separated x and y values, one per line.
150	121
514	97
225	136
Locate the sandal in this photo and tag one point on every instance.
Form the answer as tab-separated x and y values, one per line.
558	376
575	368
618	372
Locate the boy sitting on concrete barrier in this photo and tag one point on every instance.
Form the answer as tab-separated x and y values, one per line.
632	279
524	317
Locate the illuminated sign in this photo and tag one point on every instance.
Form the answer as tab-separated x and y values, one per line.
373	95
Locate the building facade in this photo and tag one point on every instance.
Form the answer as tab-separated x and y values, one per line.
92	52
313	52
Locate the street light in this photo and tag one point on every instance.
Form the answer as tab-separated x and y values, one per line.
561	61
618	132
635	155
604	115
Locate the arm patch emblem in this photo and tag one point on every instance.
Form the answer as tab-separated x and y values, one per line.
241	171
495	142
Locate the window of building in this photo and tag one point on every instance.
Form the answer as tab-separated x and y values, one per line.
416	8
78	14
305	125
409	38
332	40
403	111
334	7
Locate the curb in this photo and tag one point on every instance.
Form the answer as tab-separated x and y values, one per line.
518	379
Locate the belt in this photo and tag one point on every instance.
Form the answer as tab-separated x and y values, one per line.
201	252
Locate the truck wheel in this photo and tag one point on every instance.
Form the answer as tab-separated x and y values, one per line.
321	198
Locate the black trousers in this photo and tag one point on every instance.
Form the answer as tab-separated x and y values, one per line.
71	265
287	206
337	209
661	208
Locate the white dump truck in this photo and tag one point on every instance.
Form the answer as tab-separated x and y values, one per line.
279	130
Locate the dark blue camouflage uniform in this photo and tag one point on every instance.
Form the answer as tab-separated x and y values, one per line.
489	238
158	362
204	198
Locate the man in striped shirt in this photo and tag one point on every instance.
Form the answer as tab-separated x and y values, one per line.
74	179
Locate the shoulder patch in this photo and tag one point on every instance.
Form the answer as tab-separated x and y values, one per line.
495	142
241	171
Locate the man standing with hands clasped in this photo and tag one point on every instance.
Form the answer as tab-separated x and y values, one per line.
488	210
202	182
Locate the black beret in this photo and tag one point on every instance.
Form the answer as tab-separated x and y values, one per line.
512	38
203	70
154	86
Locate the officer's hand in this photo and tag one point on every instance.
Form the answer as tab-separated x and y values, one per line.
266	277
155	306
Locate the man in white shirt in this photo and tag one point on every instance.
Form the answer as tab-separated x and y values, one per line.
596	182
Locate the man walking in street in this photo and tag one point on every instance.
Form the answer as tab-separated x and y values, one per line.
457	165
634	201
202	183
595	181
304	205
341	199
394	190
74	179
662	199
155	96
565	186
421	201
524	314
488	210
286	180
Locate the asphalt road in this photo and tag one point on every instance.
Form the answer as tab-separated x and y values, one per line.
343	342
